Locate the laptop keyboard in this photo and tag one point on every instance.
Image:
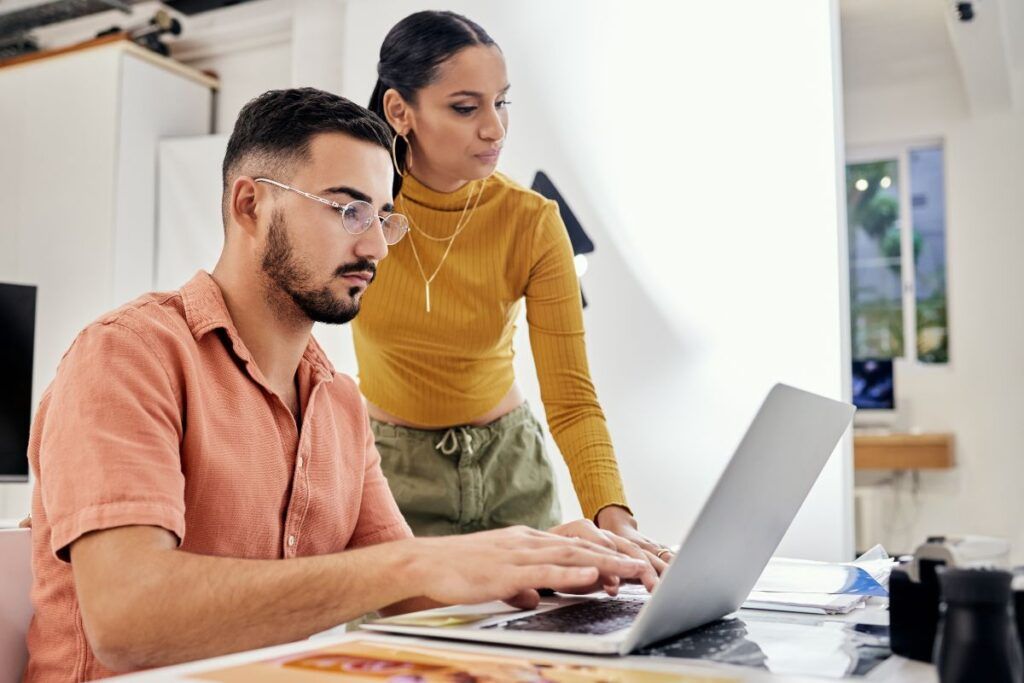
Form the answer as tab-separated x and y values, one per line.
595	617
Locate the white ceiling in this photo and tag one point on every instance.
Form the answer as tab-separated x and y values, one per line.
892	43
889	42
885	43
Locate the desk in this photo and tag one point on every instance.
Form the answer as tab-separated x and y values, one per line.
893	669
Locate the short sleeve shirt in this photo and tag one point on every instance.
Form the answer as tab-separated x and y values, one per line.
159	416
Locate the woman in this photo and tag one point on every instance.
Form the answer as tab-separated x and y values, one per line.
459	445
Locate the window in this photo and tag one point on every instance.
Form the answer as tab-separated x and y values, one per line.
896	212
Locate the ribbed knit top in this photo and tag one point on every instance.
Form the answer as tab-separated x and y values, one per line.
449	366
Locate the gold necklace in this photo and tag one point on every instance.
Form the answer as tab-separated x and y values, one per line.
459	227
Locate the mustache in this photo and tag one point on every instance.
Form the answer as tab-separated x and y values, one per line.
360	266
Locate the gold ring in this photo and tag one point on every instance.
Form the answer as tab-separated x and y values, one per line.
661	552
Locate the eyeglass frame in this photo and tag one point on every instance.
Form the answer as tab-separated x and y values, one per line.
341	208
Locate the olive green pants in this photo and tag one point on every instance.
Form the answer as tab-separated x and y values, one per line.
465	479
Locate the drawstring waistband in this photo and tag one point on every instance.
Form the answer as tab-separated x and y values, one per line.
449	443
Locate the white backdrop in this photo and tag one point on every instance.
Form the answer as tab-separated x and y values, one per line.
697	144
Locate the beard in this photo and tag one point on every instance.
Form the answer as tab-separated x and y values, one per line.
288	276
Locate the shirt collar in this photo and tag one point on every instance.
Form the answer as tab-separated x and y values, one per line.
206	311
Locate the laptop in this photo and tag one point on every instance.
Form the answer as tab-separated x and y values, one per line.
718	562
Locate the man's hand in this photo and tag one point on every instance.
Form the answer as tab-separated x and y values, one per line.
620	522
511	564
145	603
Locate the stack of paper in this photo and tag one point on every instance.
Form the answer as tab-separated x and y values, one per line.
821	587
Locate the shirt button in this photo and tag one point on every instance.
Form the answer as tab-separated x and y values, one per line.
299	463
291	540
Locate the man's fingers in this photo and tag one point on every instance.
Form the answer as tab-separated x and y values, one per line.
525	599
557	577
605	561
560	550
514	538
610	584
598	537
649	576
658	566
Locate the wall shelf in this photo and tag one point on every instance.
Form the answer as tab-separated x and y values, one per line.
902	451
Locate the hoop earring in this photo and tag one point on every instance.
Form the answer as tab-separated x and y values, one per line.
394	153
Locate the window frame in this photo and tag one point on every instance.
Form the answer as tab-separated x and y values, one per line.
900	151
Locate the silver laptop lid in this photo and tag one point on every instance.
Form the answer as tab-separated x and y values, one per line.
746	515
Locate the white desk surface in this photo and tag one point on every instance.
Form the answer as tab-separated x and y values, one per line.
893	669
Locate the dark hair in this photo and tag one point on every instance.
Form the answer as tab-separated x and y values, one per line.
277	126
413	51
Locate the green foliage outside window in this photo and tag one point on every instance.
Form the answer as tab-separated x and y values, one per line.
876	245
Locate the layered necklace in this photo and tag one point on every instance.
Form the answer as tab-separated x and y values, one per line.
467	213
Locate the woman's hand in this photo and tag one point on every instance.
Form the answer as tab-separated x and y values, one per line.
620	522
585	529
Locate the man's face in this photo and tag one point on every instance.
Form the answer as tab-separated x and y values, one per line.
308	255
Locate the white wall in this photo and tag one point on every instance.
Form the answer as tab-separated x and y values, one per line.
259	46
697	144
978	396
248	46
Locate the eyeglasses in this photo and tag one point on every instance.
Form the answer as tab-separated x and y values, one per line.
356	216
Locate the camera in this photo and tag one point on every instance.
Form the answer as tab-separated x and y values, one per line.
965	11
915	594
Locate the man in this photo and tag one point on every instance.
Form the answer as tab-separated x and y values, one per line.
206	482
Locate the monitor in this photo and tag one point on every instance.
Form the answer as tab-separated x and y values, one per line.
17	341
873	386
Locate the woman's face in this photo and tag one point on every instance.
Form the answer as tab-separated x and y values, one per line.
458	123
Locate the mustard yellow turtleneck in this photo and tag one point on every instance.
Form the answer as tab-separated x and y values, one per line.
449	366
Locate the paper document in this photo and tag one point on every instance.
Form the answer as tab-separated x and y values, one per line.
798	576
821	587
806	603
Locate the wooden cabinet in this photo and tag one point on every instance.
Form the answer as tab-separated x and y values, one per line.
902	451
